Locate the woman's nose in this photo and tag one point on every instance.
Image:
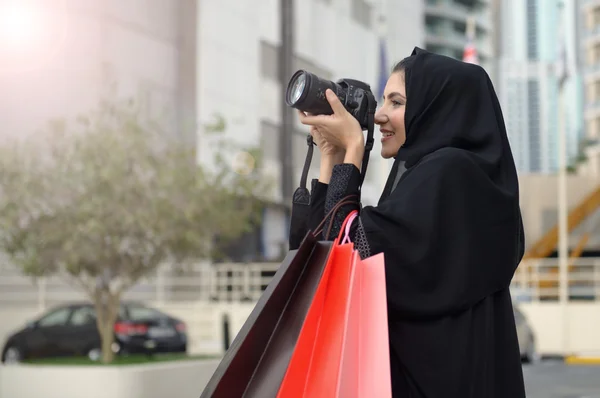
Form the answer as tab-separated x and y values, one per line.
380	117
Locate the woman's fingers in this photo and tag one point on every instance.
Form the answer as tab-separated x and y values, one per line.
315	120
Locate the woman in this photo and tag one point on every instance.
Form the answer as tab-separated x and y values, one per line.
449	226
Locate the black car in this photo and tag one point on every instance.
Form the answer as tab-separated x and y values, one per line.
71	330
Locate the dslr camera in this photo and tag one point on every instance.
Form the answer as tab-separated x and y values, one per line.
306	92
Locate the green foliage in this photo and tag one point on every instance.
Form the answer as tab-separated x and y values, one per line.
104	200
581	157
110	197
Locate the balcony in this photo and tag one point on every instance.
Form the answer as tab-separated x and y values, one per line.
591	73
592	35
592	110
449	9
589	4
450	38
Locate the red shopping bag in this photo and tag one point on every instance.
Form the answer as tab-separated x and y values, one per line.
365	366
374	374
343	349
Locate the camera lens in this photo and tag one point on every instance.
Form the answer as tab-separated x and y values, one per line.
306	92
297	85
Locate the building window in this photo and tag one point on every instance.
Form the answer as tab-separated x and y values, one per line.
362	12
594	133
269	140
596	91
269	63
533	107
596	54
270	132
595	17
532	44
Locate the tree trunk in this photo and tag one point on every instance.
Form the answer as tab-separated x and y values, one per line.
107	336
107	309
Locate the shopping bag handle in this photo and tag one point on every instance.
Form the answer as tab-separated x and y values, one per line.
346	226
344	201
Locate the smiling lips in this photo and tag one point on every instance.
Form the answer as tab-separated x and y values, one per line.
386	135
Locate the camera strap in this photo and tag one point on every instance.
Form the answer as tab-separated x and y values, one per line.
307	161
372	103
301	202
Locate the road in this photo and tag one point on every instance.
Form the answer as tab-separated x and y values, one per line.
554	379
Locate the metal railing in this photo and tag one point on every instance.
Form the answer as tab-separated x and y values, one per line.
538	280
216	283
534	280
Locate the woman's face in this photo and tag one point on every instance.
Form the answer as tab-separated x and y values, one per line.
390	116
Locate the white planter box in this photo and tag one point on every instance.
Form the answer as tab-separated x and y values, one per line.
182	379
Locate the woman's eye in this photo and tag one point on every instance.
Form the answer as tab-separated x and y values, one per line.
396	103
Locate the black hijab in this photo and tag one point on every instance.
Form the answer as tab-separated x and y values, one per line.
451	229
452	104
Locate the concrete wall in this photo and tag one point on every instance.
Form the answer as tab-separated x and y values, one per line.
173	380
570	331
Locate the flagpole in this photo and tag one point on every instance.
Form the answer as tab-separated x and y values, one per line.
470	50
382	31
563	237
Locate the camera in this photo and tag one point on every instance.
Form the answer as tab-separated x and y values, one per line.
306	92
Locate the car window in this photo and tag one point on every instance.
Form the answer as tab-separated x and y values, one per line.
137	313
122	313
55	318
83	316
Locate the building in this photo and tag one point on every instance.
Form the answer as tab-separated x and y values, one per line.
529	52
194	61
590	61
60	58
238	76
446	27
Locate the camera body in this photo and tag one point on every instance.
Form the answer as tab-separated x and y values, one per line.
306	92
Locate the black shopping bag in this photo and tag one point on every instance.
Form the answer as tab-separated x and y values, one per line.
255	364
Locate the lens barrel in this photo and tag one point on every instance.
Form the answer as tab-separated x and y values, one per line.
306	92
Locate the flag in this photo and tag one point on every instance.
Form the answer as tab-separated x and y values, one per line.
562	61
470	53
562	70
383	68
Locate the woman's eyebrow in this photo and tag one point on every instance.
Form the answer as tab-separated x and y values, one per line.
393	94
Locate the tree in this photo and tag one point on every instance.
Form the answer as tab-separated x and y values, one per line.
581	156
107	198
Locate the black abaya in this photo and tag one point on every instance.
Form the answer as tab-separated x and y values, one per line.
451	233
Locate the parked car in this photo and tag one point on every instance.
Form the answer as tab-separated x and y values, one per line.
527	343
71	330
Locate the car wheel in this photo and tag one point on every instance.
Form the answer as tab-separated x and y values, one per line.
531	355
13	355
94	354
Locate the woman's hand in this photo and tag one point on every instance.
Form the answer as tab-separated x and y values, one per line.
340	129
326	148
